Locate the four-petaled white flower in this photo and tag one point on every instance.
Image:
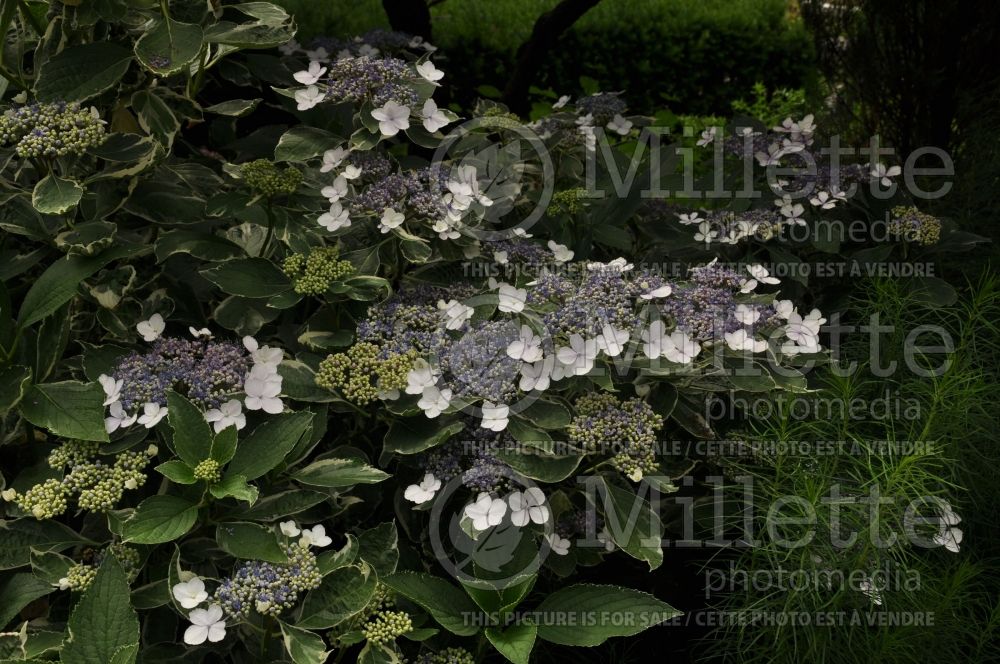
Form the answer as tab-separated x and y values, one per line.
824	200
310	75
705	233
527	347
434	117
392	118
748	315
662	291
611	340
390	219
227	415
759	274
265	355
151	329
289	529
653	339
560	252
620	125
262	387
332	159
486	511
424	491
512	299
528	506
429	72
455	313
315	536
537	375
420	377
434	401
334	192
689	219
680	348
707	136
112	388
203	332
190	593
336	218
741	340
206	624
562	101
118	419
559	545
579	356
803	331
949	537
152	413
308	97
495	416
884	175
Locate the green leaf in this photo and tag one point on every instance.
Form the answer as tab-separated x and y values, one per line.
160	519
303	646
334	473
343	593
70	409
250	541
55	195
249	277
19	537
203	246
155	117
14	383
448	605
192	435
169	46
515	642
269	443
235	486
81	72
589	614
17	592
547	414
177	471
224	445
300	144
103	626
236	108
641	533
539	466
417	434
59	282
379	547
282	505
87	239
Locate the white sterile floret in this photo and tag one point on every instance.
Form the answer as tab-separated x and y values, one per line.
434	401
512	299
228	414
527	347
206	625
424	491
486	511
495	416
151	329
315	536
392	118
190	593
528	506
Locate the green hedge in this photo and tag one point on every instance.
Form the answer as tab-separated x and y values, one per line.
694	55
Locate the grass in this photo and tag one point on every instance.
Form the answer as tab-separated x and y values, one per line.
957	411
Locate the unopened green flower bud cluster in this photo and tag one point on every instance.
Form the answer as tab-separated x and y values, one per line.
361	376
51	130
263	177
382	600
313	273
387	626
208	470
97	485
910	224
626	428
79	577
569	201
447	656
